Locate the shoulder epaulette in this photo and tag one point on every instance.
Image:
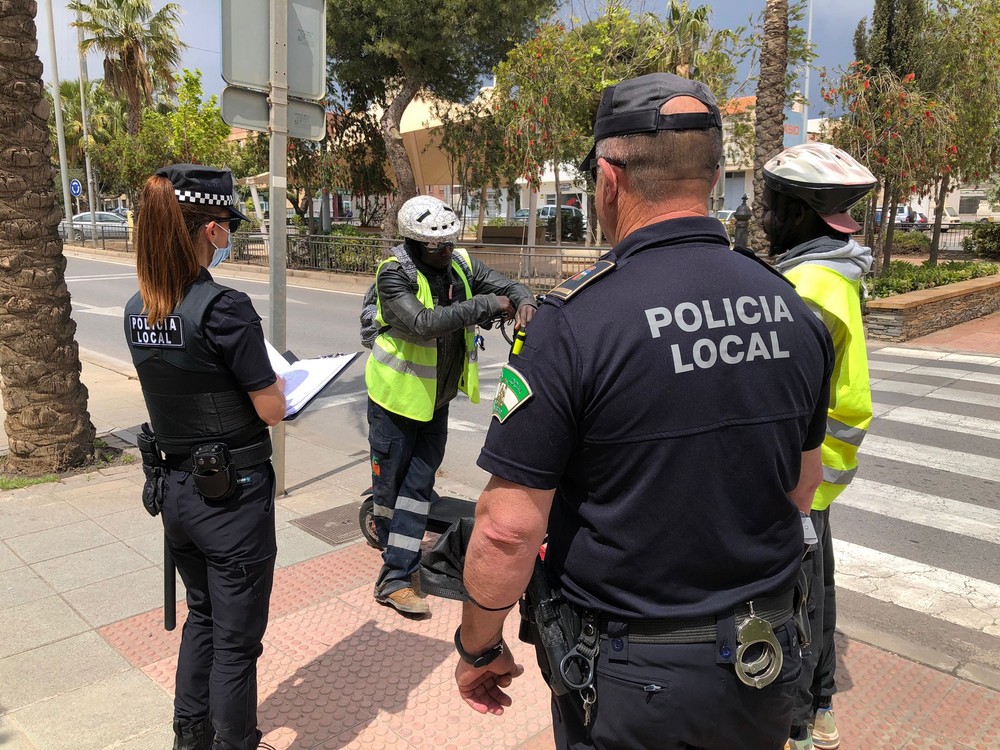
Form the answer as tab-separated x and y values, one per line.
587	276
746	252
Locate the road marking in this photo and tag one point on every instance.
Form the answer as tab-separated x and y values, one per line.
974	359
463	426
891	366
267	297
966	397
910	389
987	428
328	402
896	351
102	277
958	599
926	510
113	312
932	457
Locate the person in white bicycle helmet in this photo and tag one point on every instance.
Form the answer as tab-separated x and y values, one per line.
429	296
808	191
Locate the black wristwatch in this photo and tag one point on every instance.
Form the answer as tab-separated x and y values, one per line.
477	660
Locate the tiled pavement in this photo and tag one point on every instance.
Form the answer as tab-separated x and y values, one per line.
86	665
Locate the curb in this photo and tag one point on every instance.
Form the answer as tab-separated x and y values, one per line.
968	671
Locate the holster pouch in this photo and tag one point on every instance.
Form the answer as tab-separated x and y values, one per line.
213	471
153	467
552	624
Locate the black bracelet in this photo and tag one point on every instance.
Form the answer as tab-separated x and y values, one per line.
490	609
477	660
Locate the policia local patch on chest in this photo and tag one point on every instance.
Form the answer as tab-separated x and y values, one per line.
168	332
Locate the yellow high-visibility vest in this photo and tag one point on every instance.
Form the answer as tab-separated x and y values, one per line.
401	372
850	411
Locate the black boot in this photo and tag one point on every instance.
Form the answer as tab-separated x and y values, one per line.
193	735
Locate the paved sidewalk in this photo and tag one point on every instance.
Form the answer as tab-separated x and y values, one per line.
85	663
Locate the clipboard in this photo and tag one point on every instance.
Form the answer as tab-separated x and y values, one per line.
306	378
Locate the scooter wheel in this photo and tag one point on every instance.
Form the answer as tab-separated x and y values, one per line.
366	519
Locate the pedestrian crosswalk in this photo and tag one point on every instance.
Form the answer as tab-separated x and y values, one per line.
919	528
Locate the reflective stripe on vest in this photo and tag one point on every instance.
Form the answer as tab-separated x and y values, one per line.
401	372
850	411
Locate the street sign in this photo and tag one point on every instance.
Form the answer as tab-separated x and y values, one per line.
75	188
246	47
243	108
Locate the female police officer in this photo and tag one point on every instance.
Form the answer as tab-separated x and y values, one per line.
211	393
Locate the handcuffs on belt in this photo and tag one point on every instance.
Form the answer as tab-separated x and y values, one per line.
765	669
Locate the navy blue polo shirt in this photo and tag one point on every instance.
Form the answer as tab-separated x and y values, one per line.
671	400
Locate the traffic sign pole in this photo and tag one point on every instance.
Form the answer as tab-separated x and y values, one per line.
94	208
278	129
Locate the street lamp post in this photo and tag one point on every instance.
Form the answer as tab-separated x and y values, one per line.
805	97
83	121
60	132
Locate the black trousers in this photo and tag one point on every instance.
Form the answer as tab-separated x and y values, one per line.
405	456
818	682
677	697
225	554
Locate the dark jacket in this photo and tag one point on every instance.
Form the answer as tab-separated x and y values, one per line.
452	312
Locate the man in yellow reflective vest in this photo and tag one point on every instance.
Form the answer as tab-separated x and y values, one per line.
808	191
430	297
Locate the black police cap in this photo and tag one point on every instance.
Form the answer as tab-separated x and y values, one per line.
633	106
207	186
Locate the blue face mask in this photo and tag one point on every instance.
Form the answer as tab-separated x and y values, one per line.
221	253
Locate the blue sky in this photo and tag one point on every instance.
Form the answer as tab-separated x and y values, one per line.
833	28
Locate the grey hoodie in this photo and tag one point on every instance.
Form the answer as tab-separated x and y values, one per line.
850	260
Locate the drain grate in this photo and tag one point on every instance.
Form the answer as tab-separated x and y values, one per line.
335	526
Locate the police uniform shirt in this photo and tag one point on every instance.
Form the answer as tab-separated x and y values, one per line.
233	325
668	402
231	328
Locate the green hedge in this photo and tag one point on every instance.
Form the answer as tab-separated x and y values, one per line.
984	242
905	277
911	243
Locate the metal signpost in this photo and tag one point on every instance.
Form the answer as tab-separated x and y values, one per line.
75	188
91	189
295	54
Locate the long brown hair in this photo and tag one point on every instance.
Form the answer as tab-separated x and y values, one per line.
165	249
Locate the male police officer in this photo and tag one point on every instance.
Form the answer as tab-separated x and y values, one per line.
662	422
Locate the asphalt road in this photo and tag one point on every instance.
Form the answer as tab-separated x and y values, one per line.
319	321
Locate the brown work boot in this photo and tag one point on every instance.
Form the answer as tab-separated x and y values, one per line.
405	601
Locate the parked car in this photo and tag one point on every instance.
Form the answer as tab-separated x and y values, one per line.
109	226
949	219
548	212
901	214
987	212
915	221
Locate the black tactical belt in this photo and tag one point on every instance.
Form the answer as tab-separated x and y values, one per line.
777	610
243	458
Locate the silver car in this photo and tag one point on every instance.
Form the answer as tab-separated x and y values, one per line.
109	226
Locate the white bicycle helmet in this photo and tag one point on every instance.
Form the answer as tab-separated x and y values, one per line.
427	219
823	177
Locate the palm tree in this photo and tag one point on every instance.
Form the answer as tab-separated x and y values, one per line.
48	426
770	112
141	48
105	117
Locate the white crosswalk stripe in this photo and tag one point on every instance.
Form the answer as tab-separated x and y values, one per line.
871	560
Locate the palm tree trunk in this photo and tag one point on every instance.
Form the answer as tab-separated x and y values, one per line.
47	423
769	130
399	160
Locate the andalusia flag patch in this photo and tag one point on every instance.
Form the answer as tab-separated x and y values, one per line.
512	391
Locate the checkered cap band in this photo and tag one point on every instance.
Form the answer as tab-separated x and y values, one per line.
210	199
